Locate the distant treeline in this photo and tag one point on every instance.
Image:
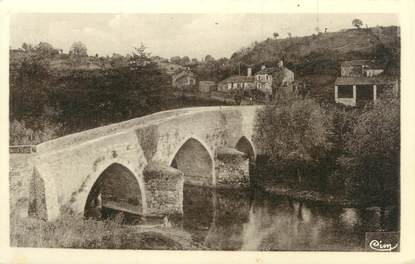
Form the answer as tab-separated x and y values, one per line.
47	101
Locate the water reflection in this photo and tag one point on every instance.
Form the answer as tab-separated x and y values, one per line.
239	220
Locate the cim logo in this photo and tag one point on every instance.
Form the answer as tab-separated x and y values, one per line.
382	241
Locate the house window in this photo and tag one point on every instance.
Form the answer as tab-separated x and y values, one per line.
345	91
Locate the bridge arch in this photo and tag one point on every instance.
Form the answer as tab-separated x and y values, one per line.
116	185
245	145
195	159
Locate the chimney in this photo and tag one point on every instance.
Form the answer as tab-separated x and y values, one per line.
249	72
263	67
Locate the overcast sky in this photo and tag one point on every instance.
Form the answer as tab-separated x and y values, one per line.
166	35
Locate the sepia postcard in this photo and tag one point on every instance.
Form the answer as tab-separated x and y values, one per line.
195	132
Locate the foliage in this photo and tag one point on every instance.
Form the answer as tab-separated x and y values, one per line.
357	23
183	61
140	57
45	49
78	49
372	152
209	58
70	97
29	88
21	135
294	134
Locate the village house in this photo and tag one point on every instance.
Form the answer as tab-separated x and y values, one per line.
361	81
207	86
184	80
283	77
238	83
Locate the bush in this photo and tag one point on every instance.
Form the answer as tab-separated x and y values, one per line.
294	134
372	153
22	135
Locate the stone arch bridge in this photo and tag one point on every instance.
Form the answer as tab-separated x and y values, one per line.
142	164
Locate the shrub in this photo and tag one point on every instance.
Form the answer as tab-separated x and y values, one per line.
372	153
294	134
22	135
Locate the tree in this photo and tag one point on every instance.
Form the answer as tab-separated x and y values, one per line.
78	49
357	23
27	47
185	60
372	153
209	58
294	134
175	59
118	61
276	35
46	49
140	57
28	89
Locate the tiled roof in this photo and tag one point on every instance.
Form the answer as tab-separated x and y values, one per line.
239	79
271	70
267	71
371	63
364	80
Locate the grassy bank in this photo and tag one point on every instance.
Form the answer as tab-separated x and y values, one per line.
76	232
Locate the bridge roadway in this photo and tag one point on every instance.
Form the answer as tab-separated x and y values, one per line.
144	161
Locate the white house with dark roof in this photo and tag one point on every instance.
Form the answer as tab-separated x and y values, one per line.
281	75
237	82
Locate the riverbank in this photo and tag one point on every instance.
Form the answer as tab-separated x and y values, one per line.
329	199
307	195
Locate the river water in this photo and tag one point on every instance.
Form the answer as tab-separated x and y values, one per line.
247	220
